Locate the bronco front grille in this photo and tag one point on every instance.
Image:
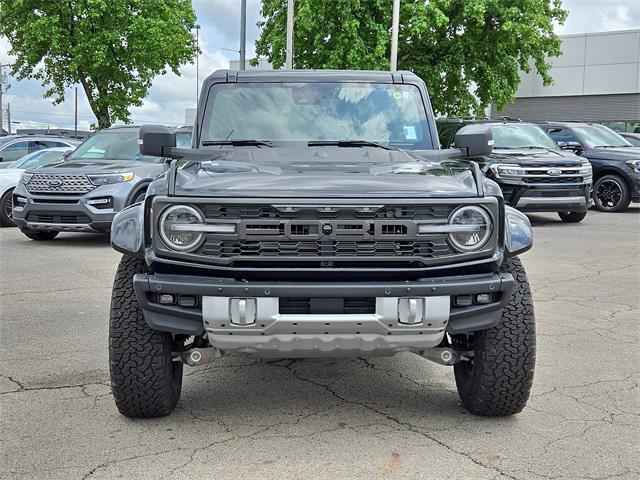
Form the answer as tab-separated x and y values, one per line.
331	234
265	249
58	183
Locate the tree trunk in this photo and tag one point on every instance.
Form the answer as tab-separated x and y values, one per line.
102	114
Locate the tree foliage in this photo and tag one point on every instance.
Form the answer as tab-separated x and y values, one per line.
467	51
114	48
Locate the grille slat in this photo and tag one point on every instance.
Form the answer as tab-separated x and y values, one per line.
58	183
60	218
236	248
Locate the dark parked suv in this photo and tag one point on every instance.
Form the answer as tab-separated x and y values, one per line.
316	216
534	173
84	191
615	162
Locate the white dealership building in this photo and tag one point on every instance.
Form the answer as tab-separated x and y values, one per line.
597	78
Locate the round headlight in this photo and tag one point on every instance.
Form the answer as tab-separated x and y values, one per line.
174	227
471	228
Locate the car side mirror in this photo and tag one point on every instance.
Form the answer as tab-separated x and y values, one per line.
573	146
154	140
474	140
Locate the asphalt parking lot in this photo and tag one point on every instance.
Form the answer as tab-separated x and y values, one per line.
382	418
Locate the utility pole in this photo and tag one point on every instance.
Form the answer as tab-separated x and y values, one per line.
197	67
2	82
290	15
75	115
243	33
9	118
395	22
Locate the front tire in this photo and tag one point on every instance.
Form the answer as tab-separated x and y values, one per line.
6	207
497	380
39	235
572	217
145	381
611	194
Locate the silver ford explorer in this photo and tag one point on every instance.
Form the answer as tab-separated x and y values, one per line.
84	191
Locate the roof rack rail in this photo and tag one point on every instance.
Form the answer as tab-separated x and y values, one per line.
506	118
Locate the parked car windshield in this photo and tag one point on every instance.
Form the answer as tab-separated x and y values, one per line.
599	136
40	158
111	145
371	112
514	136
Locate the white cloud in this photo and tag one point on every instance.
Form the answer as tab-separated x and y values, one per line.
586	16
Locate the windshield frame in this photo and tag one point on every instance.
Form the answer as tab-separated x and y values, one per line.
427	142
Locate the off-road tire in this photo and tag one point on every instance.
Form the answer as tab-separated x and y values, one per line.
572	217
5	216
146	383
39	235
498	380
625	194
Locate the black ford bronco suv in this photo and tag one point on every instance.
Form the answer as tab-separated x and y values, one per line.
535	174
316	216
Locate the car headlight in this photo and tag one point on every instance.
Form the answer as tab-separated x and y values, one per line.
507	170
25	177
633	165
177	238
586	170
470	228
110	178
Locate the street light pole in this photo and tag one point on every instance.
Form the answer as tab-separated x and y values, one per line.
75	115
290	15
243	33
395	22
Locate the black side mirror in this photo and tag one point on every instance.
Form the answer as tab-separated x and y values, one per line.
573	146
154	140
474	140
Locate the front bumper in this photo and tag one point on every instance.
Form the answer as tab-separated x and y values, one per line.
70	213
548	199
245	317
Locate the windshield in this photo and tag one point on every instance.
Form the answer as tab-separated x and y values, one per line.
600	136
371	112
513	136
39	158
111	145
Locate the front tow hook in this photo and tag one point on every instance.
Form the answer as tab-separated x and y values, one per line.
198	356
446	356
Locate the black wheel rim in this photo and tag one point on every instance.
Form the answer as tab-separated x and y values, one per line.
7	206
609	193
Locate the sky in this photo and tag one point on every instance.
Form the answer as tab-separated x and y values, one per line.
219	42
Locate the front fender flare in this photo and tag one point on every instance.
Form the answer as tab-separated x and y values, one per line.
518	234
127	230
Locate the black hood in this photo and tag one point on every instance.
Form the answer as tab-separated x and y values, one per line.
324	172
622	154
536	157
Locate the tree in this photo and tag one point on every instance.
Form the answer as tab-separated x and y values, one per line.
467	51
113	48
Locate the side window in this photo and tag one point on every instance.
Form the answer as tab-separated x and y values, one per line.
51	144
38	145
562	135
445	135
14	151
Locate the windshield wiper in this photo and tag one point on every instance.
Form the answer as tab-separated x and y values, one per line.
238	143
349	143
612	146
